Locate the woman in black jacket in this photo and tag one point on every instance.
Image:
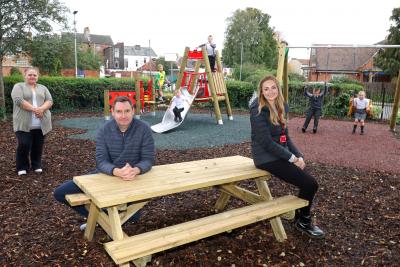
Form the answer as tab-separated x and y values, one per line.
274	151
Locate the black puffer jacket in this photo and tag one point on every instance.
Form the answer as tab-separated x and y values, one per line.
265	137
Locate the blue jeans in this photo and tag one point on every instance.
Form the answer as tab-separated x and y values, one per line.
70	187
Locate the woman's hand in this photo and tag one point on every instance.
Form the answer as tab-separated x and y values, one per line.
299	162
38	112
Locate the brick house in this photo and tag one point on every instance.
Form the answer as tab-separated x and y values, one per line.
21	61
353	62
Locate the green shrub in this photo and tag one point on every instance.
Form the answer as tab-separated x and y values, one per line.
72	93
15	72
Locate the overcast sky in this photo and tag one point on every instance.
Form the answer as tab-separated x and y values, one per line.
171	25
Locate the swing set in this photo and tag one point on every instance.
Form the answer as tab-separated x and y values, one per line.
282	72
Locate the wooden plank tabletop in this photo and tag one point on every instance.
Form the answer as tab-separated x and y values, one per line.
161	180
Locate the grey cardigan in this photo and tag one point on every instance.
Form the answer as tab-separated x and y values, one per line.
265	136
22	118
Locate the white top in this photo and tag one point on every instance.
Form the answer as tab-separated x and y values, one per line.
210	50
178	101
361	104
36	123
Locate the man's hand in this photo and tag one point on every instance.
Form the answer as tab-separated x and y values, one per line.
127	173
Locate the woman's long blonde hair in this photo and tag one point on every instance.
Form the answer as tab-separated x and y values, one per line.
277	113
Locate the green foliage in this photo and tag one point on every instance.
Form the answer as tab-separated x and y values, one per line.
376	112
252	73
344	79
50	53
15	72
296	77
389	59
20	18
250	28
239	93
87	60
71	93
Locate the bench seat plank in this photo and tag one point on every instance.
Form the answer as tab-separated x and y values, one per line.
134	247
77	199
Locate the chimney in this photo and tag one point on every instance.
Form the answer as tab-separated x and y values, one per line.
86	33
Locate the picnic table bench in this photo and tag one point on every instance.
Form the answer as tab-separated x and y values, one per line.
121	199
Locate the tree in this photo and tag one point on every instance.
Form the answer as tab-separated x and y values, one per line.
50	53
18	18
389	59
250	28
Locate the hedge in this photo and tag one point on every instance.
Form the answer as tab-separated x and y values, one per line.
72	93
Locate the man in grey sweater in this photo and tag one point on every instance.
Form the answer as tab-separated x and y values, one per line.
124	148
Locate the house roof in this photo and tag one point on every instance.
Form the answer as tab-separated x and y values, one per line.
341	58
138	50
152	65
91	38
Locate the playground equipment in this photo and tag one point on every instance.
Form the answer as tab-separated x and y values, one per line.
168	122
198	87
282	72
143	99
212	86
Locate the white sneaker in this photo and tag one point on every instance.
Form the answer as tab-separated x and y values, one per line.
38	170
82	227
23	172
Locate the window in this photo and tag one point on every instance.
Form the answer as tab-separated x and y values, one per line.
21	62
145	60
313	51
126	63
137	63
116	64
116	52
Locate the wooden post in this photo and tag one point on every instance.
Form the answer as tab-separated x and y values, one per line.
285	78
182	68
196	76
396	101
106	104
227	102
211	85
281	62
137	97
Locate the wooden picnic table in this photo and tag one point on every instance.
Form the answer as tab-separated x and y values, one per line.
122	199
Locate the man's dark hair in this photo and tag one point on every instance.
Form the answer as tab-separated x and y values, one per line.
123	99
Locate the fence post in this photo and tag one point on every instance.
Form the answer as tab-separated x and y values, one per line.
383	99
395	104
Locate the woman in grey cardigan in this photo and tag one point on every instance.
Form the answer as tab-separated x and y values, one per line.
31	121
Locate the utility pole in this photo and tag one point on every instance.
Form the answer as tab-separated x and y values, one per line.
75	52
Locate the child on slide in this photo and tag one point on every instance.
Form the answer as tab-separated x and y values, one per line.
177	103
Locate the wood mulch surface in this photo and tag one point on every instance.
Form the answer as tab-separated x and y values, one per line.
358	205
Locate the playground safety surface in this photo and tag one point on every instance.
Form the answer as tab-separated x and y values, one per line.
358	203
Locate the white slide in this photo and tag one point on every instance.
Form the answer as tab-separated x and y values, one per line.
168	122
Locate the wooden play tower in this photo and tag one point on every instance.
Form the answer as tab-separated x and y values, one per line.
215	88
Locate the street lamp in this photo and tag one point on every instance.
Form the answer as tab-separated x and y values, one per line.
75	54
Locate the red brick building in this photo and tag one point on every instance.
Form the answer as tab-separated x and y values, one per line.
353	62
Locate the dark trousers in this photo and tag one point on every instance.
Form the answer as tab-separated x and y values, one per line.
316	112
212	62
30	145
70	187
291	174
177	113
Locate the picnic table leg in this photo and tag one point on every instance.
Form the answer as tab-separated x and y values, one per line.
222	201
91	221
276	223
115	223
